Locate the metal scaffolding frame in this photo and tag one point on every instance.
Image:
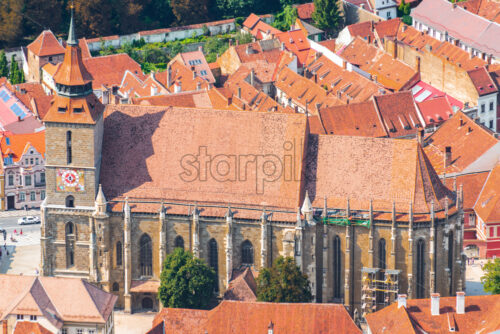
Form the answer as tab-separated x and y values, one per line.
389	286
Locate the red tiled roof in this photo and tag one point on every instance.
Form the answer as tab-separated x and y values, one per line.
471	185
18	144
489	9
297	43
399	114
468	142
200	64
482	81
243	287
33	97
354	119
150	286
263	28
252	52
305	11
90	106
390	72
210	99
109	70
436	110
379	169
46	44
481	316
72	71
329	44
235	317
251	21
488	204
29	327
82	42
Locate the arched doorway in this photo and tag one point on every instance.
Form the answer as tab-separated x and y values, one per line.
147	303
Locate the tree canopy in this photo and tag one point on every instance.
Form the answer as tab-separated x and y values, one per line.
185	281
283	283
491	278
4	67
328	16
286	18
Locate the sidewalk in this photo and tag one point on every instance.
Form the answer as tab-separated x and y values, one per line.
19	213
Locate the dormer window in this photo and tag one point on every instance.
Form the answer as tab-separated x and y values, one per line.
77	110
61	110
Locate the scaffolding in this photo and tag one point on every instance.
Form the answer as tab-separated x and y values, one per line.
387	288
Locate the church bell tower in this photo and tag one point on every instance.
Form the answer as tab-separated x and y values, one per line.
74	129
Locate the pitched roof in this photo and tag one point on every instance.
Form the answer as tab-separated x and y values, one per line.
467	139
489	9
24	294
109	70
305	10
46	44
296	42
369	29
390	72
63	110
152	158
354	119
72	70
459	23
435	110
471	184
482	81
379	169
488	204
481	316
19	143
235	317
197	60
399	113
17	104
29	327
243	287
267	51
251	21
262	28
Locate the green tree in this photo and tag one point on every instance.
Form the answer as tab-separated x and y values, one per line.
491	278
328	16
186	282
283	283
4	66
183	11
11	28
286	18
16	76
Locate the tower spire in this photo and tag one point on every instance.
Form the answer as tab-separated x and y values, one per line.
71	35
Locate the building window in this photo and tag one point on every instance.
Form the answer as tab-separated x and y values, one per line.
179	242
420	282
36	161
450	259
483	108
119	253
31	161
11	179
70	202
26	161
337	268
68	147
27	180
70	229
42	177
491	105
146	255
492	232
147	303
79	331
22	197
64	331
42	195
33	317
91	331
491	124
213	258
246	253
116	287
32	196
20	317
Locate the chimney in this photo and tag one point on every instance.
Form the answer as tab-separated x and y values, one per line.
252	77
239	92
374	77
198	85
369	39
447	156
4	325
178	87
270	328
194	72
454	5
469	130
461	122
315	77
169	75
362	6
229	101
404	27
401	301
434	303
371	25
105	97
200	48
282	46
154	90
417	66
420	136
460	302
249	49
344	64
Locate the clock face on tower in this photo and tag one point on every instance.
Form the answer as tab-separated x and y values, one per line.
70	180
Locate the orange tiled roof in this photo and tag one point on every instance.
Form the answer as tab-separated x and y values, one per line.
19	143
297	43
46	44
62	110
354	119
82	43
109	70
242	288
180	74
482	81
72	71
263	28
399	171
371	30
251	21
471	185
436	110
252	52
488	204
235	317
467	139
489	9
391	73
25	327
305	11
481	315
33	97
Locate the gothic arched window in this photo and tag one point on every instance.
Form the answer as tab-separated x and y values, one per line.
146	255
69	155
337	268
213	259
420	282
119	252
70	201
69	228
116	286
246	253
450	259
179	242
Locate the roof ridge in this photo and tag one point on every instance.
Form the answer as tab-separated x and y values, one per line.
19	298
87	285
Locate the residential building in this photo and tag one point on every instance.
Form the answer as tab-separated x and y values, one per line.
258	28
132	197
461	146
449	22
487	91
45	49
310	31
15	109
236	317
487	208
435	111
54	305
460	314
23	165
305	11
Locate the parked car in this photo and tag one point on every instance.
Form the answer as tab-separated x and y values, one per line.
28	220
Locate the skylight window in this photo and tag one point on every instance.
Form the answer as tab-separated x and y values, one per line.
4	96
17	110
203	72
7	140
